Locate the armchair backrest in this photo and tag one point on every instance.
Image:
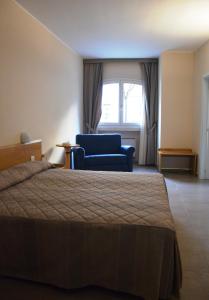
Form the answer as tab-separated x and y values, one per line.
99	143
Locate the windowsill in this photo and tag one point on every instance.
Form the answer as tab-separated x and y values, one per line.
118	128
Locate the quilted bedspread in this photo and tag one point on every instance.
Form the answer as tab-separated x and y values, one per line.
77	228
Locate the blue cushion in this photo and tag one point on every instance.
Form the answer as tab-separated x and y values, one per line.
105	159
99	143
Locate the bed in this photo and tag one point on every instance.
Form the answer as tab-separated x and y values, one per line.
73	229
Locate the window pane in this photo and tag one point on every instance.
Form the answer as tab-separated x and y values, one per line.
110	103
132	103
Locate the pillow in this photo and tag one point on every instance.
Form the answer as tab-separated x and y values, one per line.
19	173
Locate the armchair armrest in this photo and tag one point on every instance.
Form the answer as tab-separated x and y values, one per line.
129	151
77	158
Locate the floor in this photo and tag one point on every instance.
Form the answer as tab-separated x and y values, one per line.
189	201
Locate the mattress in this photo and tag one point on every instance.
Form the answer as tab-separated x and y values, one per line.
73	229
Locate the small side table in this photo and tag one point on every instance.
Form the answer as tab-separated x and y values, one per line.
175	152
67	148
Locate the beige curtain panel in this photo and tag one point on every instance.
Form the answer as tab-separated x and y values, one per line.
92	96
150	78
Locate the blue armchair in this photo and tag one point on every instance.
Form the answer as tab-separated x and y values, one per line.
102	152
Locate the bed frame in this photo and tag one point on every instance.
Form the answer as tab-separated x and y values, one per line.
19	153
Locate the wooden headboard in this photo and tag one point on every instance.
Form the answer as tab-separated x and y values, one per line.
19	153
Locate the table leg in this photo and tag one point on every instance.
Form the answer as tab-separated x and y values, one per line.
195	165
160	163
67	158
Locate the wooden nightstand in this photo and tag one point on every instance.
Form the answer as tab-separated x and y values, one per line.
165	152
67	148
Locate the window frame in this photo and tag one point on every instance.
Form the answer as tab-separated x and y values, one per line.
120	125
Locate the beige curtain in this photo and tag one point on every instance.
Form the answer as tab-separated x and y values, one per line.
92	96
143	136
150	83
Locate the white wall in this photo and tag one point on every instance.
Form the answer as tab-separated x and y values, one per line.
181	79
201	69
40	82
176	99
176	93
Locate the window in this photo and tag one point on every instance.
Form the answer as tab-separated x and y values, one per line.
122	104
110	103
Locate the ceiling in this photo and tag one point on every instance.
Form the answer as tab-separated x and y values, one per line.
124	28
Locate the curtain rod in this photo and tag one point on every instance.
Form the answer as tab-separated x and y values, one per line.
102	60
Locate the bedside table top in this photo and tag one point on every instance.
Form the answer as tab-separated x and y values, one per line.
67	145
